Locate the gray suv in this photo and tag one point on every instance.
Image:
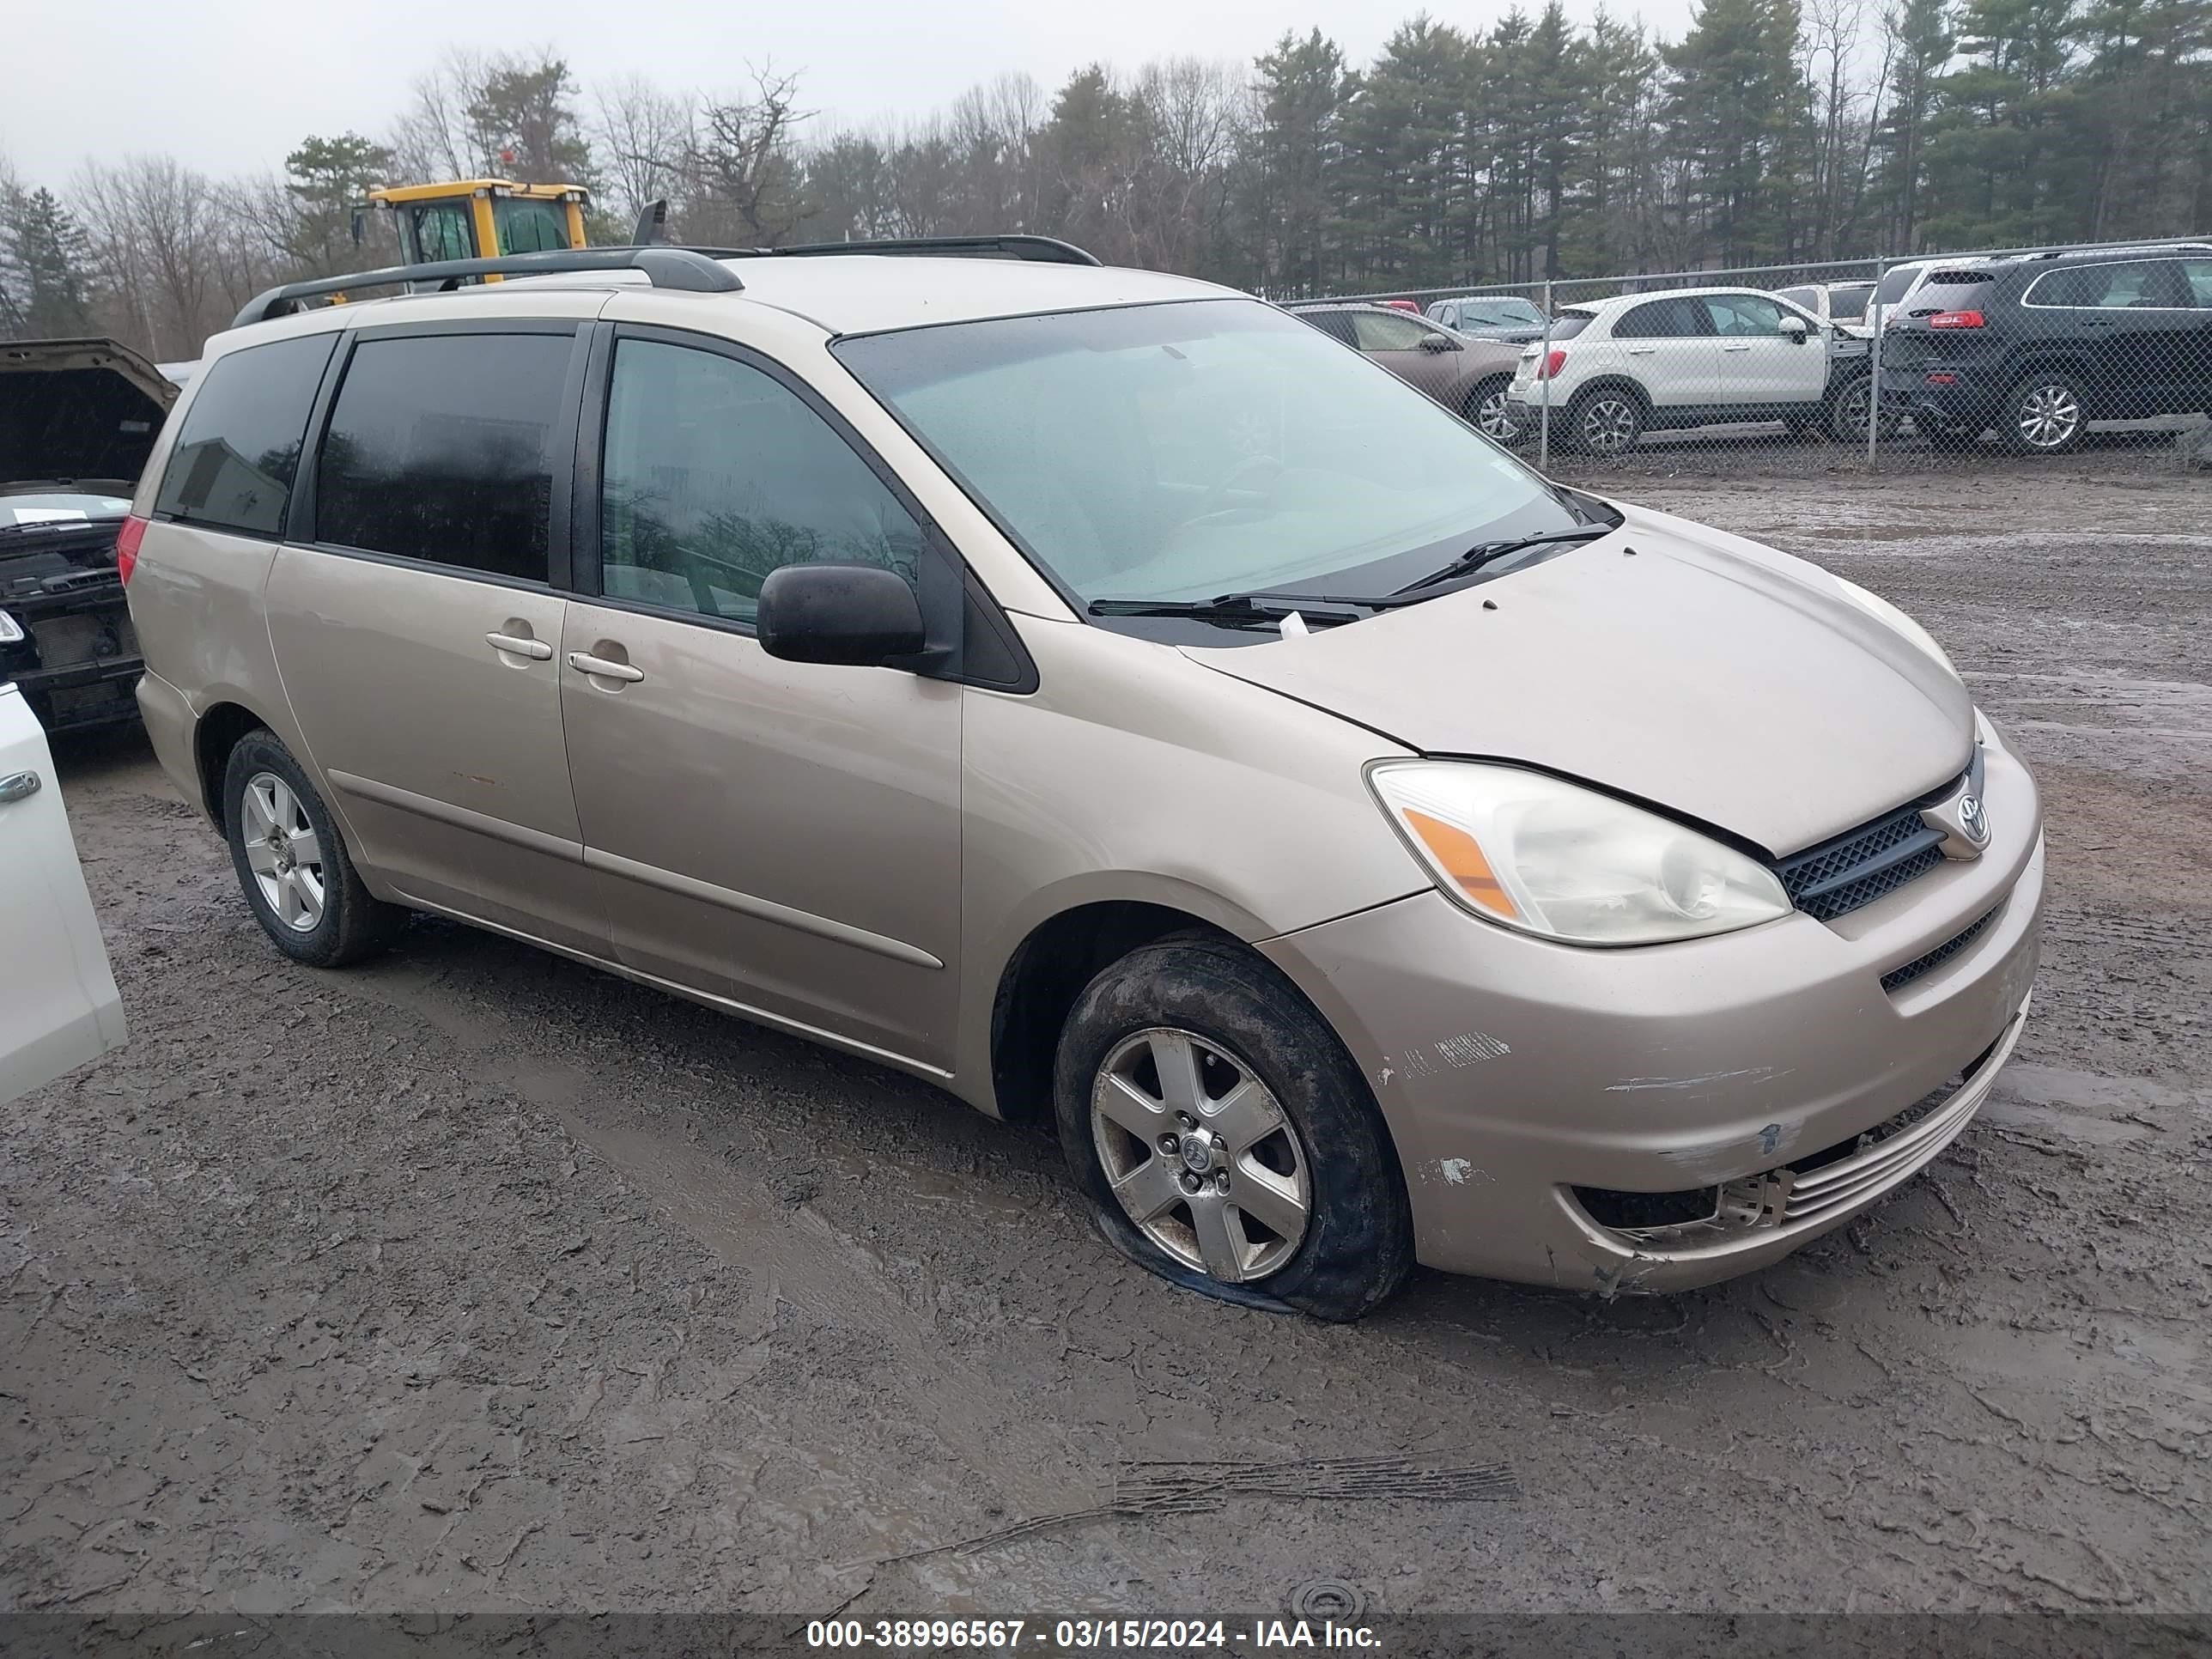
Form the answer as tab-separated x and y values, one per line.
1097	693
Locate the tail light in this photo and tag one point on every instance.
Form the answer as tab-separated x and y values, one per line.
1956	320
126	547
1552	363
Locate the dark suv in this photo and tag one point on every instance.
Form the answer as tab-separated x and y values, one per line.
2041	346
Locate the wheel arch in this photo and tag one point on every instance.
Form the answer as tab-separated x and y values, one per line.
1046	971
220	729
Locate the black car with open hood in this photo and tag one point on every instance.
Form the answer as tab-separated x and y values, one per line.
77	421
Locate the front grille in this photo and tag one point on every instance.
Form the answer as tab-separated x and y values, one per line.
1861	864
1935	958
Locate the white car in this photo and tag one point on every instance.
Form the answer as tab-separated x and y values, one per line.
1702	356
59	1004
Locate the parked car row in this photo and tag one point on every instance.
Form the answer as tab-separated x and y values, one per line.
1605	373
2036	347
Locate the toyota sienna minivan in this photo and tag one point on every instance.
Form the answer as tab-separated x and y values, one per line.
1108	697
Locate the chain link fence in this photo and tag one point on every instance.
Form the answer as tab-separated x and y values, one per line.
1893	363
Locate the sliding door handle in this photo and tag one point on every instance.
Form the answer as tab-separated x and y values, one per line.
605	668
515	644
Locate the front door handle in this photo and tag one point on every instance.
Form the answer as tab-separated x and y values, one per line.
18	786
1746	346
536	650
605	668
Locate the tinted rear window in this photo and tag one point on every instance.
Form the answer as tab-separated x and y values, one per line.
240	448
1568	323
1950	290
440	448
1848	304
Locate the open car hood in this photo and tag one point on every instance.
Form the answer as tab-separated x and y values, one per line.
77	410
1724	681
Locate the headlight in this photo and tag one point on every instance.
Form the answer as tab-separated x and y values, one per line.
1553	859
11	631
1882	610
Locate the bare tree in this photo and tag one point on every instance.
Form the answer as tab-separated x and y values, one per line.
640	135
745	180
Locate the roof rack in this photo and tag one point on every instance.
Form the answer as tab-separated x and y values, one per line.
680	268
1038	249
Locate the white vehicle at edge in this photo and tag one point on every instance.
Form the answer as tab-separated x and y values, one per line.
1702	356
59	1004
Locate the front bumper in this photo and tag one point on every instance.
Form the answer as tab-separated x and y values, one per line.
1512	1071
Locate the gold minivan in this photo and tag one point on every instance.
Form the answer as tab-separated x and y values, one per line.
1108	697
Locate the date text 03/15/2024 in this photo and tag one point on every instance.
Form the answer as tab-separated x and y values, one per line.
1087	1635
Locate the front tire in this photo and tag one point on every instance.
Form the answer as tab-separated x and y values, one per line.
292	863
2045	414
1213	1117
1605	422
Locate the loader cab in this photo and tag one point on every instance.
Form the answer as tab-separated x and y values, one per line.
483	218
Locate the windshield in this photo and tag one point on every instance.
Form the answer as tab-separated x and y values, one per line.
1499	313
58	507
1178	452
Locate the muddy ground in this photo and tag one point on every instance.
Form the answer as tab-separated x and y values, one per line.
473	1279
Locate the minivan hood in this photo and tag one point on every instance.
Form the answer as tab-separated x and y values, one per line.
1705	673
78	409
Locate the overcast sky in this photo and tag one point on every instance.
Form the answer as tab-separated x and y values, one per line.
228	86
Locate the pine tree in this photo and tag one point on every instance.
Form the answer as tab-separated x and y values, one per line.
45	259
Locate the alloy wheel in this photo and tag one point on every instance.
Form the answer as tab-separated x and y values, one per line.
1493	416
1609	425
2048	417
283	852
1201	1154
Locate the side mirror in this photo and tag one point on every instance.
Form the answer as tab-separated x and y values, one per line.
860	614
1792	330
360	226
1438	343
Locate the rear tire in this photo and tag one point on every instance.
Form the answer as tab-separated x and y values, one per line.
2044	414
292	863
1605	422
1276	1114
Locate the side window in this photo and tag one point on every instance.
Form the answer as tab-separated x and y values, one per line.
440	448
240	448
716	473
2199	273
2129	283
1742	315
1659	320
1383	330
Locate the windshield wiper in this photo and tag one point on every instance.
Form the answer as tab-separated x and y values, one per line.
1236	609
1483	553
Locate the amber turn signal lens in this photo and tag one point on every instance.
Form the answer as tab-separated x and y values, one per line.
1460	856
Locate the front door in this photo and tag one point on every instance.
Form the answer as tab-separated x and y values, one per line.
1760	363
417	633
58	1006
782	836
